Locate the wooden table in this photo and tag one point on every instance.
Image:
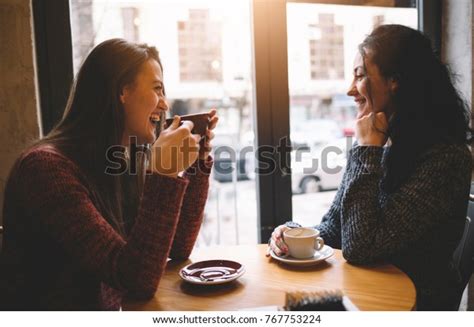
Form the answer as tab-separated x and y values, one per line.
266	281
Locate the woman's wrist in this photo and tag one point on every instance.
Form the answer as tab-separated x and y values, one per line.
372	141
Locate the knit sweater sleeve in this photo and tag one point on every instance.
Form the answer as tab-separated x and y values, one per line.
192	210
374	232
330	226
60	204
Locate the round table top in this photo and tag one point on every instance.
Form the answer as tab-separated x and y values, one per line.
265	282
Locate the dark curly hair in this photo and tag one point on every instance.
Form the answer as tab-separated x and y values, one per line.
428	108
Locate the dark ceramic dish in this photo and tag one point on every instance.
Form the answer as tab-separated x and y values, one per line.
212	272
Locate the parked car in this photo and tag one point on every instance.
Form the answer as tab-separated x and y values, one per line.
223	169
320	169
314	133
230	158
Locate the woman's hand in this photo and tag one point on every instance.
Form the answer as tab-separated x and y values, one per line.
276	244
175	149
371	129
207	147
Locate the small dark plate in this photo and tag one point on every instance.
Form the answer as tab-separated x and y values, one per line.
212	272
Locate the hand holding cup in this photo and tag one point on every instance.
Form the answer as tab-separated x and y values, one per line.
176	149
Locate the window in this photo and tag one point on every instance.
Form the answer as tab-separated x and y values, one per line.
203	45
130	23
201	27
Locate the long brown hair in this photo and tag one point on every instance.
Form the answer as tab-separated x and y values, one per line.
93	122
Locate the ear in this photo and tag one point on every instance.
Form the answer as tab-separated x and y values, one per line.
124	94
393	85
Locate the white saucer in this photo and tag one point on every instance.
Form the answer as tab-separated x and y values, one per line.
319	256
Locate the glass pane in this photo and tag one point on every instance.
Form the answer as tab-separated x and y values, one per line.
205	48
322	43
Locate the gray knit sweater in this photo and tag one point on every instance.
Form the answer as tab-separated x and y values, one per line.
416	228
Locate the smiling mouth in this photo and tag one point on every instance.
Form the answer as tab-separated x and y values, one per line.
155	119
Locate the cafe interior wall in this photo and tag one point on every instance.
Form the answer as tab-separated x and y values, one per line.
19	111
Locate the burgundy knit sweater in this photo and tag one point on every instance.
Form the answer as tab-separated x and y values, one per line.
59	253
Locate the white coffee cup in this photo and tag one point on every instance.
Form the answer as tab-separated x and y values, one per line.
303	242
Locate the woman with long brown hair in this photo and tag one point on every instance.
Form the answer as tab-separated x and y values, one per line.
78	237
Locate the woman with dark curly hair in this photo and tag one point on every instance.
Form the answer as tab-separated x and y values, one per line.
404	194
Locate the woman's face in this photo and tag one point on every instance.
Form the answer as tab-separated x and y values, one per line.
370	90
143	100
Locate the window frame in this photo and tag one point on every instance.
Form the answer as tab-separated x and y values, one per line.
53	45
